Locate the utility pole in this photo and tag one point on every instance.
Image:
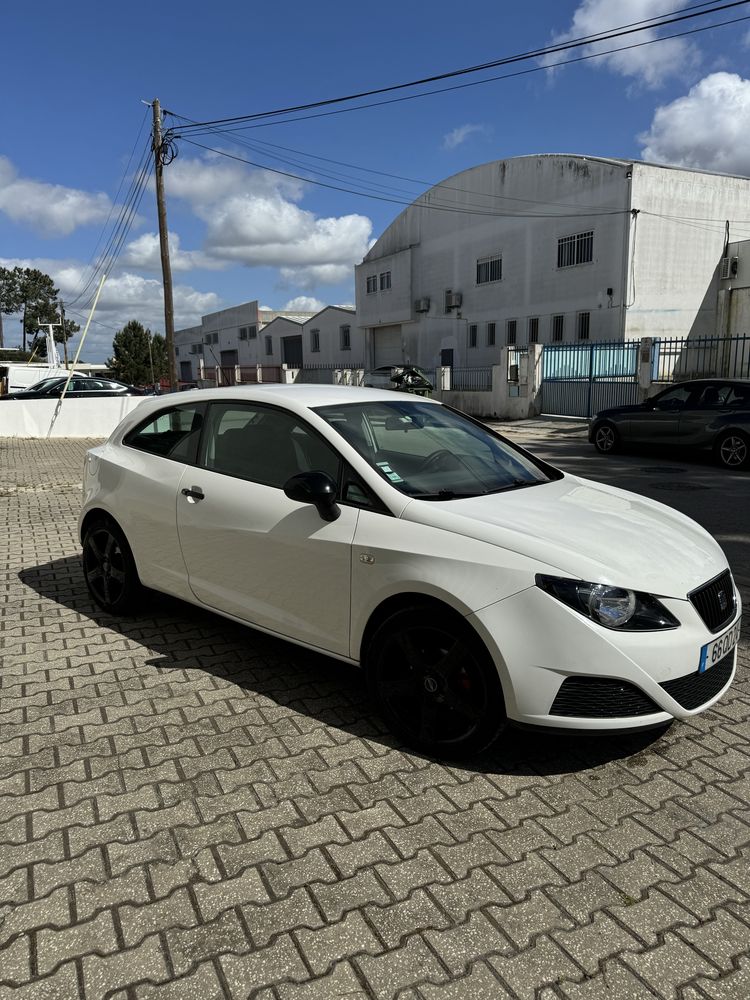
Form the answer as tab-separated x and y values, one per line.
166	268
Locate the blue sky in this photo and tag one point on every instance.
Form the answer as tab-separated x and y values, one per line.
78	73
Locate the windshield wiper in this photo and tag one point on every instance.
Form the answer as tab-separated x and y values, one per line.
449	495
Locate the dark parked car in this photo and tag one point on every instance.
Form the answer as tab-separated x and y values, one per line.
710	414
51	388
406	378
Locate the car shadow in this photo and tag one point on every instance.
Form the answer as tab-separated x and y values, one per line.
184	637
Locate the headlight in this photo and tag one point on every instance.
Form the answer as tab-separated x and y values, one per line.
613	607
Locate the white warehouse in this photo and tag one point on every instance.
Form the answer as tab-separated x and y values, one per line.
547	248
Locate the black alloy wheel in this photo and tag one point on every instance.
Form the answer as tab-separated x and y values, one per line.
109	569
606	438
732	450
434	683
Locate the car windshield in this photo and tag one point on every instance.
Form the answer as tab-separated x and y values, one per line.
432	453
46	383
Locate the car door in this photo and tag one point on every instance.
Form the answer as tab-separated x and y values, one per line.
252	552
699	415
658	421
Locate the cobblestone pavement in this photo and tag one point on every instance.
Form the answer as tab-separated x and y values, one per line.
191	810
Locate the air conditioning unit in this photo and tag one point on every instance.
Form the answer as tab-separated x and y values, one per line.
728	267
453	301
422	305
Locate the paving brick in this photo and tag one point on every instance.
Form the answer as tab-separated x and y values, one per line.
524	921
269	966
207	940
342	895
246	887
50	911
543	964
603	936
325	946
15	961
673	964
403	919
393	971
173	911
102	976
459	946
725	938
57	946
128	888
61	985
652	917
370	850
614	982
88	866
479	984
341	982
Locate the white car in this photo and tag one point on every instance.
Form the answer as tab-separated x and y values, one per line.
473	582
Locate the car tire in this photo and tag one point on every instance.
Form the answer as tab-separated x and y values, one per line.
606	438
434	683
732	450
109	569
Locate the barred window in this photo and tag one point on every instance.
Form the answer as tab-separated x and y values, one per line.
533	329
558	327
345	339
385	281
576	249
490	334
489	269
584	324
269	345
315	341
472	335
372	283
243	333
510	331
252	332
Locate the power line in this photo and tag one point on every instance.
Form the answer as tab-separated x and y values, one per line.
684	14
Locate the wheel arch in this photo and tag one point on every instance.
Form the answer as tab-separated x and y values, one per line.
98	514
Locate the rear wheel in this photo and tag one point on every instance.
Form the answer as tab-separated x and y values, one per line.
606	438
434	682
109	569
732	450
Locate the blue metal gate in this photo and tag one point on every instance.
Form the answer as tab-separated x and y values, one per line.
578	380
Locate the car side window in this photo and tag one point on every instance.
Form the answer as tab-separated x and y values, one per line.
673	399
738	397
264	445
714	395
172	433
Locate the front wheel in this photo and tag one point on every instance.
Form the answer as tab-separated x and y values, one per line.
606	438
434	683
109	569
732	450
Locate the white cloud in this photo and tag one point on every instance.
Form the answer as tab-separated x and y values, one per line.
460	134
312	275
707	129
125	296
648	64
50	209
304	303
252	218
144	254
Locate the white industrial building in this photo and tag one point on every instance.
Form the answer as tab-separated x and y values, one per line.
548	248
247	335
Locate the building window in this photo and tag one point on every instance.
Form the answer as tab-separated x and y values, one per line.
472	334
510	331
584	322
372	283
533	329
345	338
489	269
243	333
558	328
490	334
385	281
177	350
315	341
252	332
577	249
269	345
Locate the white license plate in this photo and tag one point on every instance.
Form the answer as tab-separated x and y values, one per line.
714	651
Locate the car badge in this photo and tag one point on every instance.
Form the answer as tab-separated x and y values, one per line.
723	603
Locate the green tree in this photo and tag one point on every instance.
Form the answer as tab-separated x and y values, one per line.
32	293
139	357
10	295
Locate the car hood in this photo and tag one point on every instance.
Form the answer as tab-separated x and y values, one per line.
587	531
618	411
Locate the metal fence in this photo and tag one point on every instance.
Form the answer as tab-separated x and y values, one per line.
581	379
323	374
675	359
469	379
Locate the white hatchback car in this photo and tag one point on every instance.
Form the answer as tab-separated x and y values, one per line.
474	583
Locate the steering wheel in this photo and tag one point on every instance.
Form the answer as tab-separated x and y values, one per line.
442	460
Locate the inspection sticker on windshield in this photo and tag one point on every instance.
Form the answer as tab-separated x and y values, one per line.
393	476
714	651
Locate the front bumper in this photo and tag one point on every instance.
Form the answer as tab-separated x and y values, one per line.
551	658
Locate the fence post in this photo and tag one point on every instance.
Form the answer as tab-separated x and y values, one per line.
443	378
645	373
534	379
590	395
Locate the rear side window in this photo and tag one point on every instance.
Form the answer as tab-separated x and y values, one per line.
171	433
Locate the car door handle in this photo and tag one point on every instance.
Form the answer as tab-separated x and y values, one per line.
194	494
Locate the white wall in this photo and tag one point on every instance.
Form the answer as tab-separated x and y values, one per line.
67	418
329	322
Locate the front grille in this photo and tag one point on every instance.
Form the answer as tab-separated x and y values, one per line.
715	601
601	698
696	689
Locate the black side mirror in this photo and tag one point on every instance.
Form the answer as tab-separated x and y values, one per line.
316	488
